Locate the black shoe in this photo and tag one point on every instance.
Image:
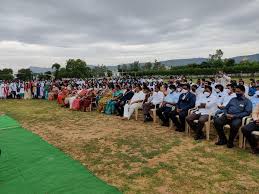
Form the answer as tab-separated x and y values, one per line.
148	119
180	130
255	151
230	145
165	124
221	142
199	137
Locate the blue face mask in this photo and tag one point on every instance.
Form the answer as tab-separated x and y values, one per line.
239	96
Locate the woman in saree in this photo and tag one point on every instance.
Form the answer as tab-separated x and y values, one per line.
105	96
110	106
62	95
76	102
27	91
86	101
53	94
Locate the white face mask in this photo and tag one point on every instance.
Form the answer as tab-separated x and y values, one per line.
207	94
184	91
228	91
217	90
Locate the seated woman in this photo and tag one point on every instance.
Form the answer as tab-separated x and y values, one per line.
105	96
62	95
53	94
76	102
86	101
110	106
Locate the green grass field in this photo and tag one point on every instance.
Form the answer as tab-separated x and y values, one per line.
137	157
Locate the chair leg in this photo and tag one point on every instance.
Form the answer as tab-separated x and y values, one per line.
244	143
241	138
207	128
136	114
170	124
154	116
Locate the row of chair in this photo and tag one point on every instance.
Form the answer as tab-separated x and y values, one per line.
207	126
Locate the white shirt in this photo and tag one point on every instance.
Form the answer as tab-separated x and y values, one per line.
157	98
226	98
138	96
211	105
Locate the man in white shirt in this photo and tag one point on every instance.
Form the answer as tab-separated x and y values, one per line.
228	95
135	102
13	89
207	105
154	101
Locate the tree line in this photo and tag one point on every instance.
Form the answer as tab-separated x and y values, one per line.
214	64
77	68
74	68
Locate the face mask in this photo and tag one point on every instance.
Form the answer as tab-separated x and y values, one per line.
207	94
184	91
239	95
217	90
228	91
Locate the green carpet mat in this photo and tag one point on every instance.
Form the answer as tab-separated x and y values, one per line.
28	165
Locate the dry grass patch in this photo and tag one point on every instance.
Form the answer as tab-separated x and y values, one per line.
138	157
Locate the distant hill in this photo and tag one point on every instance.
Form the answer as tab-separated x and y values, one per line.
168	63
182	62
39	69
254	57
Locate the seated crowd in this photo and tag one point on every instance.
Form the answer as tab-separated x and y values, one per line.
179	102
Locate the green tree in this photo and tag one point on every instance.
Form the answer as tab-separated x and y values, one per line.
24	74
6	74
148	66
56	67
78	69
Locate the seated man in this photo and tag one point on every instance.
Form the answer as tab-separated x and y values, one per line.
207	105
232	114
248	130
255	98
153	101
186	101
167	105
135	102
119	106
229	94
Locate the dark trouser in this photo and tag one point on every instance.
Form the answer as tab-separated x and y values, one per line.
119	107
163	113
182	115
247	131
235	124
13	94
197	127
147	107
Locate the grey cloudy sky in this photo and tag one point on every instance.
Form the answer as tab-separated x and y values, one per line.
39	33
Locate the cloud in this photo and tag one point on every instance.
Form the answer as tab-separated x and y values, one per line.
112	32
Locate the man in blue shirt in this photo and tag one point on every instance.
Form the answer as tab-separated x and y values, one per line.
232	114
167	105
186	101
